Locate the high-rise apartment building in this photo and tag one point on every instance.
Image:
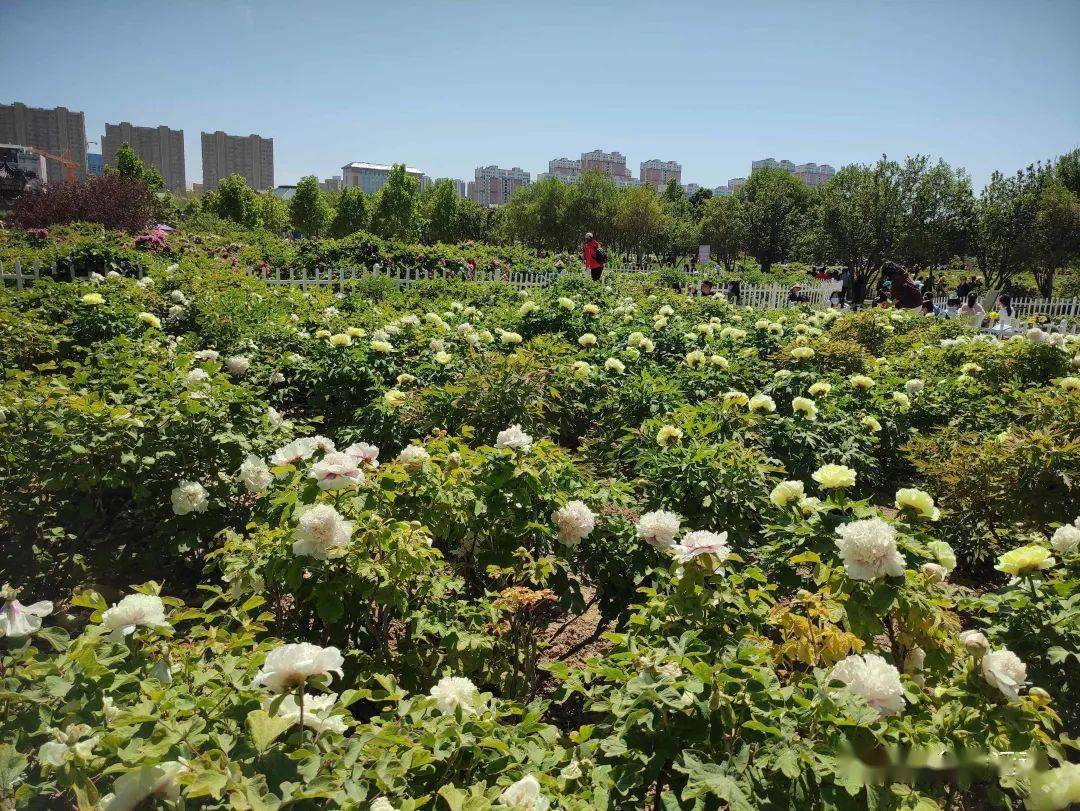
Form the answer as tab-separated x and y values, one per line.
58	131
461	188
95	164
331	184
160	147
610	163
772	163
613	164
493	186
658	172
812	174
733	185
249	155
567	170
370	177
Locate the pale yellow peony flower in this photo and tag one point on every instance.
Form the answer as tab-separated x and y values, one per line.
1025	560
834	477
669	435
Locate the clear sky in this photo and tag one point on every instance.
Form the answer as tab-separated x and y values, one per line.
448	86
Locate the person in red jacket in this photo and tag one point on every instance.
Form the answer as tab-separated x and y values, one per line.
594	263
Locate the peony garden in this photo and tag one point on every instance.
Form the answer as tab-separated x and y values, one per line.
459	546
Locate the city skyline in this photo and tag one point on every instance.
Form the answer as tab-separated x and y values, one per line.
837	84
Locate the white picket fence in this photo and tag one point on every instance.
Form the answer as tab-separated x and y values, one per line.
1064	311
23	276
403	276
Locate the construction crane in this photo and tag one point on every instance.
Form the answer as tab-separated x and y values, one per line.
69	165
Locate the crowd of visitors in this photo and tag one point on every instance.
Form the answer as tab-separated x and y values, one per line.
898	289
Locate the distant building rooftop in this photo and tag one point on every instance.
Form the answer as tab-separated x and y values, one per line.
379	166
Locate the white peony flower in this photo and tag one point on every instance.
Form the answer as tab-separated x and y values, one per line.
1004	670
133	611
914	386
289	666
413	456
868	549
820	389
524	795
974	642
204	355
455	691
364	453
273	416
575	521
317	712
322	533
705	549
658	528
1066	539
874	680
296	451
336	471
514	439
189	497
18	620
197	379
255	474
237	365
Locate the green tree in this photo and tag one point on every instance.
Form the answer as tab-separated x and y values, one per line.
396	214
236	201
697	202
1005	220
128	164
937	212
308	210
589	205
639	221
351	214
859	220
476	222
273	213
723	227
536	215
774	202
1057	233
440	207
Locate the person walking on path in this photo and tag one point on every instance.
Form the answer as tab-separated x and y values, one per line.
595	256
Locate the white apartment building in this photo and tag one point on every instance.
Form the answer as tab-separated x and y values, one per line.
370	177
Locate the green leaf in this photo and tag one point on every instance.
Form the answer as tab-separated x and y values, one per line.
455	797
265	728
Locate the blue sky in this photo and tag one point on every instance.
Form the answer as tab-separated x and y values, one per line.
448	86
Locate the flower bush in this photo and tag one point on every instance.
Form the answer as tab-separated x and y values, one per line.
821	560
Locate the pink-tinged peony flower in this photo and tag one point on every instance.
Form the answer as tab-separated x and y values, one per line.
336	471
704	549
